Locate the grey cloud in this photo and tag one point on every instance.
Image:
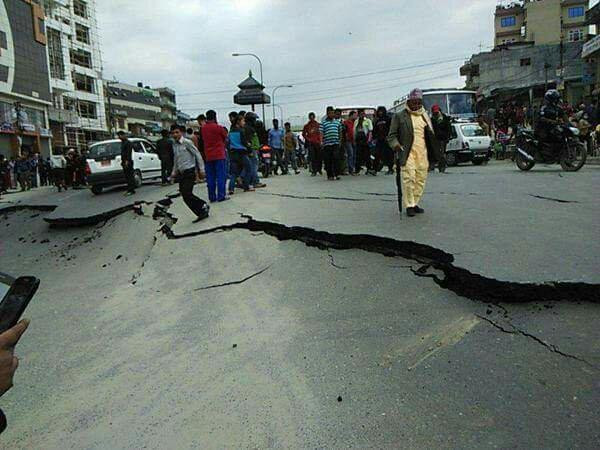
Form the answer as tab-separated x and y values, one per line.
187	44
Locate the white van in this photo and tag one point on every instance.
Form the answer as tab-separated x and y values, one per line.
104	163
469	143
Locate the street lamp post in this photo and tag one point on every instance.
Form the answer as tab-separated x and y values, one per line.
280	112
273	96
261	75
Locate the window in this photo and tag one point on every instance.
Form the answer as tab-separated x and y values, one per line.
575	35
138	148
577	11
472	131
508	21
525	62
55	54
81	58
87	110
80	8
70	104
83	82
82	33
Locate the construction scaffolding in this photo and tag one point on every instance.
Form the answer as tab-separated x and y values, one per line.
77	117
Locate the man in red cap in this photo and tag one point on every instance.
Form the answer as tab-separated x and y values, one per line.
442	127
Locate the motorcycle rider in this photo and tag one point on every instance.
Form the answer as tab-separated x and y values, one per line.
551	115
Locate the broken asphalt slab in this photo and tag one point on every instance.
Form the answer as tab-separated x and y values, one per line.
413	361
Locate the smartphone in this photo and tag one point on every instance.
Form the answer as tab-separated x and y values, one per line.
19	293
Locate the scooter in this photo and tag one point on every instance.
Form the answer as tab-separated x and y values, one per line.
265	155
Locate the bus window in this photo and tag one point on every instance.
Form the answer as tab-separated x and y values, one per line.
462	105
435	99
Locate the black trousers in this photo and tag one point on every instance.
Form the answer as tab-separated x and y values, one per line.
316	157
332	160
442	164
363	155
166	167
187	180
128	171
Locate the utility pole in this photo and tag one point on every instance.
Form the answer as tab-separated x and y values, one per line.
562	57
546	68
109	112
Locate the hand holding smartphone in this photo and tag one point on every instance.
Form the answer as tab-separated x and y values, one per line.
17	295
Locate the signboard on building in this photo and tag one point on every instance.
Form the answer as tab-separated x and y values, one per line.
591	47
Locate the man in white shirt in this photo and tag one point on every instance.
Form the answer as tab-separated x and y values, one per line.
188	168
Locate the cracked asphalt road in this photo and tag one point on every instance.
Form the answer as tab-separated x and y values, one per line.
248	338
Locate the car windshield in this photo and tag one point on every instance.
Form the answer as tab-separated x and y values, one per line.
472	130
105	150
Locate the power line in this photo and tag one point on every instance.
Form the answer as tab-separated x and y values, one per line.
345	77
307	100
337	88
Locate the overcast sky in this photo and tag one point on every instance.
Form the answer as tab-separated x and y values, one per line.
187	45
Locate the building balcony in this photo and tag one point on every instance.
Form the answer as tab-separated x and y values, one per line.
510	10
168	103
62	115
119	112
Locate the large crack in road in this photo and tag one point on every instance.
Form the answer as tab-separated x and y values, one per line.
453	278
456	279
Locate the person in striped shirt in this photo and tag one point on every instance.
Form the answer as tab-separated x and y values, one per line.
331	131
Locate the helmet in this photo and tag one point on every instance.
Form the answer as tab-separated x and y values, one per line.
552	97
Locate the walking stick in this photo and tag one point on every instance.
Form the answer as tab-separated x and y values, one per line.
399	186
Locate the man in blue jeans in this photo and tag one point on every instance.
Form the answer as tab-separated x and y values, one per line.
214	137
276	144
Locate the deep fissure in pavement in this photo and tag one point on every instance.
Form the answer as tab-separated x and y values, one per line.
456	279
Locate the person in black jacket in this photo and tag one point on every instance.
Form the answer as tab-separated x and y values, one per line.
442	127
127	162
383	152
164	149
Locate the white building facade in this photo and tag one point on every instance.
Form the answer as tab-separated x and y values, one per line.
77	116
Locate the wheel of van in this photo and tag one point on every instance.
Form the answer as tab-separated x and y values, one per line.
137	176
451	159
97	190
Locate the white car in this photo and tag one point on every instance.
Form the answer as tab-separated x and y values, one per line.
469	143
104	164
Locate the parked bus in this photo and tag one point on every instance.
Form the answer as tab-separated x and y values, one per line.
457	103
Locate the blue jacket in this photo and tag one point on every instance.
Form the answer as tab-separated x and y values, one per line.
237	140
276	138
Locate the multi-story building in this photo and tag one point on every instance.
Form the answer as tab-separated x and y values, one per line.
538	45
526	70
24	79
77	115
591	49
135	109
168	104
542	22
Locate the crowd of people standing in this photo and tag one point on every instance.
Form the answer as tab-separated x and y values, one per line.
29	171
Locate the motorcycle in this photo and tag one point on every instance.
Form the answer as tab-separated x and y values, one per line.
301	156
265	158
530	150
